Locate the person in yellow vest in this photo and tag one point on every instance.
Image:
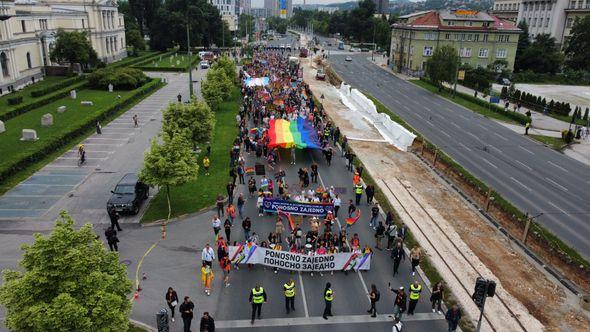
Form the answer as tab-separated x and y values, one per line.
415	290
257	298
526	128
206	164
328	298
289	289
358	192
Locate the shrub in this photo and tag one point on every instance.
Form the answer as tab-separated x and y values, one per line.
15	100
121	78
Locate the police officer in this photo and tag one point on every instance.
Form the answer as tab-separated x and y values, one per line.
289	289
415	290
358	191
328	298
257	298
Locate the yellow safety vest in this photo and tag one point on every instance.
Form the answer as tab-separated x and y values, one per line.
257	295
289	290
329	296
415	292
358	189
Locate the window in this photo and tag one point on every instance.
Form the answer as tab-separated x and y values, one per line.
451	23
4	64
469	37
504	38
547	22
447	36
29	60
569	22
412	50
476	37
465	52
485	38
573	4
501	53
541	22
427	51
23	25
534	22
83	24
43	24
483	53
543	6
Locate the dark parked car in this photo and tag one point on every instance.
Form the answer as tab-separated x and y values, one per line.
128	194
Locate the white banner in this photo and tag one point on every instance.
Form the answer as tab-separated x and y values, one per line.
299	262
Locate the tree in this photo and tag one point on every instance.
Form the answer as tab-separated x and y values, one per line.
135	41
145	13
523	44
196	117
68	282
585	118
216	87
442	66
542	56
245	24
578	45
172	163
228	66
73	47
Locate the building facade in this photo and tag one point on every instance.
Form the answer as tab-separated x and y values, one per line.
506	9
279	8
28	29
229	11
575	10
480	39
381	6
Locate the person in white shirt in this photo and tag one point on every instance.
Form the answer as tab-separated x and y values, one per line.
216	223
208	255
259	202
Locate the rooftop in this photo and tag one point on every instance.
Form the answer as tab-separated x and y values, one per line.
438	20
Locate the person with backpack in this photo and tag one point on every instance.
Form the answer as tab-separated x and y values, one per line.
112	238
374	296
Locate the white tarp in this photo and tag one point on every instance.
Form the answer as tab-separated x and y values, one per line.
392	132
299	262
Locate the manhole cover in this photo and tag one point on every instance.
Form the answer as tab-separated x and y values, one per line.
126	262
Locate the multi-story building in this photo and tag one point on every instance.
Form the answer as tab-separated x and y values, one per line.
229	11
381	6
544	17
27	34
480	39
279	8
506	9
575	9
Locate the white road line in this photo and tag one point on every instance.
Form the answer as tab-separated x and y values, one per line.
489	163
474	136
523	165
561	168
556	184
406	107
557	207
428	109
495	148
445	133
464	117
527	150
520	183
420	116
456	125
305	310
502	137
465	146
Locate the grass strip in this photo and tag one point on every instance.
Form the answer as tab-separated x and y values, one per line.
556	143
201	193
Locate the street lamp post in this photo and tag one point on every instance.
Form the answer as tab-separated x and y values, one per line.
188	48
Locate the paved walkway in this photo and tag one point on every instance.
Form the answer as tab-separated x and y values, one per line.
84	190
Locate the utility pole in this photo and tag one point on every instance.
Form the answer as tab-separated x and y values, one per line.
190	58
373	53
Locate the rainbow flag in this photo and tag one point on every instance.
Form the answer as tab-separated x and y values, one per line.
354	219
287	134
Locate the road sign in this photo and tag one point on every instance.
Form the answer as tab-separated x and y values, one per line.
461	75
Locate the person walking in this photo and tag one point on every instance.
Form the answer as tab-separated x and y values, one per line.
226	268
247	225
351	208
370	192
207	277
527	126
231	212
206	164
436	297
114	216
314	172
207	323
358	192
328	298
98	128
257	298
241	172
227	228
230	187
216	224
112	239
208	255
374	296
186	312
289	289
397	254
399	303
374	215
453	316
241	202
391	232
337	203
379	235
415	290
219	203
171	300
279	229
135	121
415	256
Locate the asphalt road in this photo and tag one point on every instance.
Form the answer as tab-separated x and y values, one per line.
535	178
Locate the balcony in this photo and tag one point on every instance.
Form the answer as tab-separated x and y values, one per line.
579	8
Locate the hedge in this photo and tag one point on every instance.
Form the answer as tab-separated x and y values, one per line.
15	100
67	138
58	86
121	78
38	103
195	61
137	60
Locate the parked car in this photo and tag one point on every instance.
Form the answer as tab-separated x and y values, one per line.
504	81
320	74
204	64
348	58
128	195
365	49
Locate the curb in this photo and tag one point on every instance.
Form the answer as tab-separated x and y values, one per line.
142	325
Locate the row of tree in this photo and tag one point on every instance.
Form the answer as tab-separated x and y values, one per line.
540	104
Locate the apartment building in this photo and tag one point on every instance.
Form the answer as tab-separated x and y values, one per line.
27	34
506	9
480	39
229	11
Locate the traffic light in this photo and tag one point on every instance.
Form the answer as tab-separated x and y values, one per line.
479	292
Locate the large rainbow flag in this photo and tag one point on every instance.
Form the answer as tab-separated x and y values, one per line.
287	134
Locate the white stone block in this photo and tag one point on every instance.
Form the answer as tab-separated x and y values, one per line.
29	135
2	127
86	103
61	109
47	120
73	94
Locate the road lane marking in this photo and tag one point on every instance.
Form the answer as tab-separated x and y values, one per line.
464	117
523	165
557	207
520	183
561	168
474	136
465	146
420	116
406	107
495	148
489	163
556	184
527	150
502	137
305	310
428	109
445	133
456	125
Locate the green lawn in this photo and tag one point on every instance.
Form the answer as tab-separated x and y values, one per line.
202	192
553	142
26	92
465	103
141	54
168	62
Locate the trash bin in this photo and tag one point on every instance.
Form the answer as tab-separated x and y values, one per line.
162	321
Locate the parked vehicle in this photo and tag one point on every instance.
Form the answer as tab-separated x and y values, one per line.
128	194
204	64
320	74
348	58
340	45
